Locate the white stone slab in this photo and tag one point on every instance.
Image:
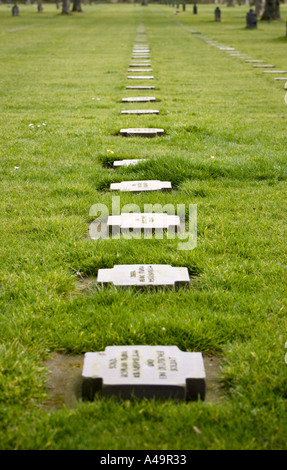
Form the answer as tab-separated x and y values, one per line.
140	77
144	371
138	99
140	111
144	275
280	78
140	87
139	186
128	162
141	65
141	132
268	66
139	70
148	222
274	71
253	61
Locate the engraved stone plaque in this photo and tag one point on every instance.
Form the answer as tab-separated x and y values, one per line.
147	222
144	372
148	185
128	162
144	275
141	132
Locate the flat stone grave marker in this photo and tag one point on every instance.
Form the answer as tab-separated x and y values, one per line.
141	132
144	275
280	78
140	87
128	162
140	77
148	64
138	186
144	372
140	111
268	66
251	61
274	71
135	70
138	99
147	222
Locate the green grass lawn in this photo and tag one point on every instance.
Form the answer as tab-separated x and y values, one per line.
62	81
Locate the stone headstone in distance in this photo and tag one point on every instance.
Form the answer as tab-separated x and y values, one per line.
128	162
142	132
143	222
144	275
138	186
144	371
254	61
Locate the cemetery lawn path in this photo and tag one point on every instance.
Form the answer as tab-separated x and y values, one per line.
224	150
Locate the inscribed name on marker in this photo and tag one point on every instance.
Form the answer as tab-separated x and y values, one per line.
147	221
144	275
144	371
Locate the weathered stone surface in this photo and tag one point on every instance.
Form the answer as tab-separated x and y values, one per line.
144	275
253	61
141	132
146	222
144	372
138	186
127	162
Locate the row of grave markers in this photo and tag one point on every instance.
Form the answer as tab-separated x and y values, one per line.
143	371
257	64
